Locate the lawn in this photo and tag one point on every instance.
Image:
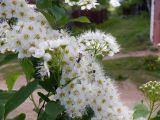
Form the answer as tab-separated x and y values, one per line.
132	32
132	68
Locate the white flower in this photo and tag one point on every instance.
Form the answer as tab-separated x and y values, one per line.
14	8
99	42
88	86
47	57
85	4
39	53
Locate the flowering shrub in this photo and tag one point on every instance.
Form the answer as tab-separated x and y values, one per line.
65	66
152	95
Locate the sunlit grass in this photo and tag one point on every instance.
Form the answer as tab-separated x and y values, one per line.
131	68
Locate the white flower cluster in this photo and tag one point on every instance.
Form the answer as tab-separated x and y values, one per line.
88	86
83	82
14	8
99	43
32	36
85	4
4	27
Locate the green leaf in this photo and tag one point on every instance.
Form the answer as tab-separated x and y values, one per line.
46	85
140	110
5	96
99	57
20	117
156	118
43	4
49	17
52	110
81	19
4	59
57	12
44	97
28	68
2	111
20	96
11	79
43	116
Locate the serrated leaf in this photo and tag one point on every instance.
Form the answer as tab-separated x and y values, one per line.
140	110
81	19
11	79
20	96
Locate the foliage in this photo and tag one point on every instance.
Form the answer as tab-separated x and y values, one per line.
19	97
55	13
129	3
140	110
11	79
133	7
151	93
7	58
151	63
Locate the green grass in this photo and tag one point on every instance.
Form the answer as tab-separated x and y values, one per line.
132	32
131	68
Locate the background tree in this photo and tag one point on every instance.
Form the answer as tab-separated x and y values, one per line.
135	6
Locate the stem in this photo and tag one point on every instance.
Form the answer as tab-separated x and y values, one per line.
40	110
34	102
152	108
43	105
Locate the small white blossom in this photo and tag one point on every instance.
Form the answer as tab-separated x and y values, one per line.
99	42
85	4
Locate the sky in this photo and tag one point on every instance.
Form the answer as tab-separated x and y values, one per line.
115	3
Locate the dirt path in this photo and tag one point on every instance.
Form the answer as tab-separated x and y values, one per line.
129	93
133	54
